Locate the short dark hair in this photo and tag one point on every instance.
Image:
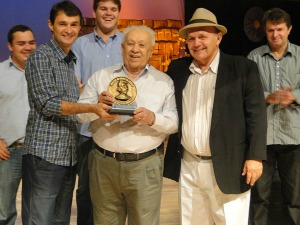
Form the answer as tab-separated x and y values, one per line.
68	7
277	15
117	2
16	28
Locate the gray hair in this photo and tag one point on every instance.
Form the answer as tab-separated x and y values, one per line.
140	27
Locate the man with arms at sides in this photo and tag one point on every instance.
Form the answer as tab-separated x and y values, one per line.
222	128
279	66
94	51
13	118
126	164
50	141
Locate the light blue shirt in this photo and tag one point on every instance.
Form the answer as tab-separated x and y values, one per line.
13	101
94	54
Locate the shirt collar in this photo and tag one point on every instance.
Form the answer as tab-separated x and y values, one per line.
121	66
266	50
12	64
61	54
213	67
97	37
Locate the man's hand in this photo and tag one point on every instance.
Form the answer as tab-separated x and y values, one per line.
287	97
144	116
101	111
273	98
106	97
4	153
253	169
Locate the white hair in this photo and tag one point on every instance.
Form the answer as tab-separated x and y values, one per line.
140	27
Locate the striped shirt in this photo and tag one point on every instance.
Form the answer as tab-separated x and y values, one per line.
198	100
283	123
50	77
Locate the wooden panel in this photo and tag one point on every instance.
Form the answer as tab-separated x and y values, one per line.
174	24
89	21
122	23
159	24
160	34
148	23
135	22
156	61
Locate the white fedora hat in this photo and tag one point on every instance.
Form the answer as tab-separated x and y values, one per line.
202	18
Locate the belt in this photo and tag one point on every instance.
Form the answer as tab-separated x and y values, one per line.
17	144
203	157
129	156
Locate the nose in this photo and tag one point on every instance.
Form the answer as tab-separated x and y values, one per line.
135	48
29	47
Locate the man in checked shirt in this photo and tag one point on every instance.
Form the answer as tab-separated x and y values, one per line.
50	141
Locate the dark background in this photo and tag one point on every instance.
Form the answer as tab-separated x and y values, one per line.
231	13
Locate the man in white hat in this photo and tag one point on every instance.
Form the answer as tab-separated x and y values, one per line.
217	153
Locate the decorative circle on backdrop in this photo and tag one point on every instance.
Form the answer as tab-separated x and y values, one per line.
253	26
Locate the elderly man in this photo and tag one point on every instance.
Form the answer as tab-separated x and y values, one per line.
222	133
126	164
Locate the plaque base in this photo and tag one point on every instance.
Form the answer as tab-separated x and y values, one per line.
122	109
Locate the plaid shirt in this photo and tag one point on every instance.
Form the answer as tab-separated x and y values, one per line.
50	77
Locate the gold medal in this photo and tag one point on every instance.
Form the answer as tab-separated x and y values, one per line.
123	90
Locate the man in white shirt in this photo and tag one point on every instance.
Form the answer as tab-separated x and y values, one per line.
126	164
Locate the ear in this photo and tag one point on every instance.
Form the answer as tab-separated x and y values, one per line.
219	38
9	47
50	25
289	29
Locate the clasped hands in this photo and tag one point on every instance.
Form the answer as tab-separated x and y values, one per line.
283	97
141	115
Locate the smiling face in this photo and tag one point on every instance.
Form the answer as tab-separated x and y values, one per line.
23	43
203	44
65	30
107	15
137	50
277	35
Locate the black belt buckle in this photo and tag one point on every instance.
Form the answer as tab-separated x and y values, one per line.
125	156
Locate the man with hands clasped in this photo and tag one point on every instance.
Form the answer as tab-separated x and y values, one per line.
279	67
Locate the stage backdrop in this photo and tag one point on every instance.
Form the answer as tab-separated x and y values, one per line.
35	13
231	13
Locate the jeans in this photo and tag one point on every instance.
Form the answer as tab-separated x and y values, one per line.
83	199
47	192
10	177
288	161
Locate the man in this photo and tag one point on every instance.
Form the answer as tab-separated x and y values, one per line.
279	66
222	127
50	142
13	118
127	162
94	51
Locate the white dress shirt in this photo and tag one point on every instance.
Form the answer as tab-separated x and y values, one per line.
197	103
155	91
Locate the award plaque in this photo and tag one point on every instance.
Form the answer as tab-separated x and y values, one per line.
124	92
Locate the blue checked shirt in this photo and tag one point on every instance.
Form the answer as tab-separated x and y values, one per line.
283	123
51	79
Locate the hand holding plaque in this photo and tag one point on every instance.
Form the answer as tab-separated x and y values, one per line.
124	92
